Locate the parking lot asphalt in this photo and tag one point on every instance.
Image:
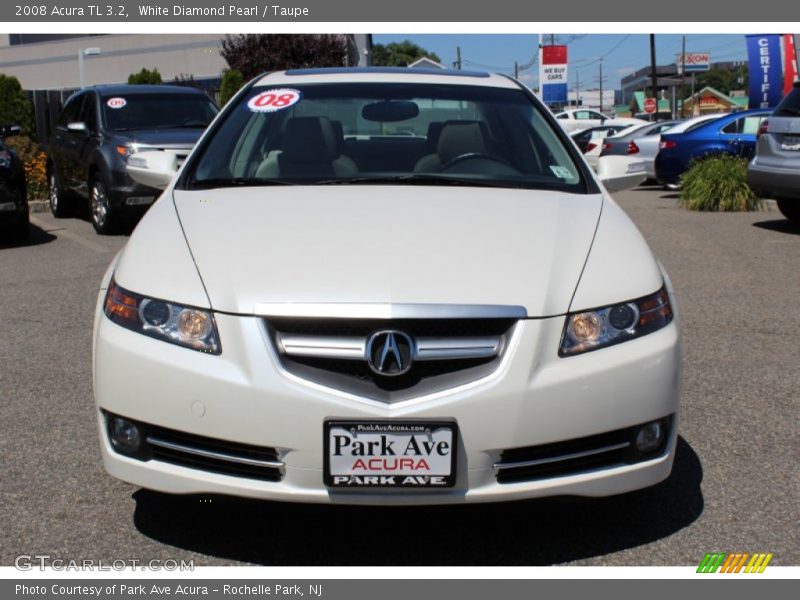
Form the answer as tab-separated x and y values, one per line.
735	486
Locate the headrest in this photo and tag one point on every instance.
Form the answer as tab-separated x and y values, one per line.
460	137
434	133
310	139
338	134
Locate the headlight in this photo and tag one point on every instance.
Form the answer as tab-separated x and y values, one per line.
183	325
593	329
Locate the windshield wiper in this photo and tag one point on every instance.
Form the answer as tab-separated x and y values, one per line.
419	179
238	182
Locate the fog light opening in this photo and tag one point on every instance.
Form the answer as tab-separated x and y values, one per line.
650	437
125	436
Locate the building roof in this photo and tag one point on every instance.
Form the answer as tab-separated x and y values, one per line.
426	63
740	101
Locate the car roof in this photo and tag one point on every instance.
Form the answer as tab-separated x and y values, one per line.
384	75
129	89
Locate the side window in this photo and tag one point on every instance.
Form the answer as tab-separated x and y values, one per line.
88	112
751	124
735	127
594	115
583	114
70	112
562	116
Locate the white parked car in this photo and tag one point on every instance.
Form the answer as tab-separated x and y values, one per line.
323	308
590	141
648	145
583	118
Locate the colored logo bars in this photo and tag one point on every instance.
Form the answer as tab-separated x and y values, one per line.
734	563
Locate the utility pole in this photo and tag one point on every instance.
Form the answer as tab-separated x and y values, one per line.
653	72
552	39
516	70
683	73
577	87
601	81
458	57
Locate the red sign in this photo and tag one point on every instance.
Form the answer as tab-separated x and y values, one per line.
789	63
274	100
554	55
650	105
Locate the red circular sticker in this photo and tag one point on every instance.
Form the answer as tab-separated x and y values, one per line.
274	100
116	102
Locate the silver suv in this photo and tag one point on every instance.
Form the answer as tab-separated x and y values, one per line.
775	170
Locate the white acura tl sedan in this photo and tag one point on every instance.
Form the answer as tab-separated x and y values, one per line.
386	286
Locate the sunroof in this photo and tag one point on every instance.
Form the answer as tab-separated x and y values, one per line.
386	70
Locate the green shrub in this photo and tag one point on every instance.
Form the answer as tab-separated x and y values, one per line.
145	77
15	108
232	81
718	183
35	162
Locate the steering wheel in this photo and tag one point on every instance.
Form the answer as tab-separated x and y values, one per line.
472	156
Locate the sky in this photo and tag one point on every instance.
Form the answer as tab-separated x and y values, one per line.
622	54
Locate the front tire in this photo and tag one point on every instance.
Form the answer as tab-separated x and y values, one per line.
104	218
59	205
790	209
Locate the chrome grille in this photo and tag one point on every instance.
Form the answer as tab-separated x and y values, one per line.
445	353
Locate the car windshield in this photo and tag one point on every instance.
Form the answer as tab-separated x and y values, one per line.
790	105
157	111
374	133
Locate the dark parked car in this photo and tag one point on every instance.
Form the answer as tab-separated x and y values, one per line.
100	127
775	170
13	192
733	134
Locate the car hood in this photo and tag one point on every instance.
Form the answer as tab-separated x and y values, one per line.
388	244
160	137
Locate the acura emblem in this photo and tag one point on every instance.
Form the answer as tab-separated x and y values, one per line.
390	352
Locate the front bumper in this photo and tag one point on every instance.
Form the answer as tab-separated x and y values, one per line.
243	395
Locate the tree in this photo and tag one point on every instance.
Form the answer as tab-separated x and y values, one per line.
400	54
15	108
722	80
144	77
231	82
185	80
253	54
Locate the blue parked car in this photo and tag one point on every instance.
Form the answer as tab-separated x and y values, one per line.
733	134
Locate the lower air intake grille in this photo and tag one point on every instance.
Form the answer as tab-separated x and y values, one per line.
208	454
602	451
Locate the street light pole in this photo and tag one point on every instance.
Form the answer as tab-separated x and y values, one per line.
81	67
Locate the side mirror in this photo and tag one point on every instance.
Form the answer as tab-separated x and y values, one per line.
618	173
77	127
153	168
9	130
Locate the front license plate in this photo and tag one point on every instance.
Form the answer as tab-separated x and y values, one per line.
396	454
